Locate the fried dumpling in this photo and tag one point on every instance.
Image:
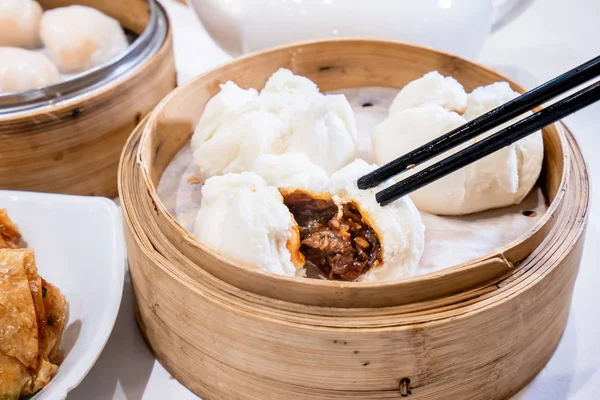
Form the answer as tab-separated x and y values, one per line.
32	319
79	38
10	237
20	23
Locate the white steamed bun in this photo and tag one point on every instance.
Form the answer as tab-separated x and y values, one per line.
529	151
432	88
244	219
325	132
500	179
289	115
409	129
398	225
291	171
22	70
79	38
20	23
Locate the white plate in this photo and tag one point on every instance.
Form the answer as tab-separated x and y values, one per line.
78	244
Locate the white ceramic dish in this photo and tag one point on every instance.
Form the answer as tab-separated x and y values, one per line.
78	243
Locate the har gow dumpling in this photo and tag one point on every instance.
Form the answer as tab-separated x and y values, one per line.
22	70
289	115
79	38
20	23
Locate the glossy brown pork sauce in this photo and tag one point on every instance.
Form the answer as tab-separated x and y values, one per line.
341	245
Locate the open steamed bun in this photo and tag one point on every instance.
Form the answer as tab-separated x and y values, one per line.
288	215
398	225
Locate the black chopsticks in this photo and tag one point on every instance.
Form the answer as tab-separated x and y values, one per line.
492	119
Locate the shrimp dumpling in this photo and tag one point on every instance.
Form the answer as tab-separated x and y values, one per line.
20	23
79	38
22	70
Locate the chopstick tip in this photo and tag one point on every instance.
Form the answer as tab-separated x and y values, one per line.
363	183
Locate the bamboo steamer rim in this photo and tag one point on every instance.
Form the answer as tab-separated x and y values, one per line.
320	319
499	256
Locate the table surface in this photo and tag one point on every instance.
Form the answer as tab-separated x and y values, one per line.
550	38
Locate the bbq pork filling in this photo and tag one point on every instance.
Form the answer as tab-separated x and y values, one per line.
336	239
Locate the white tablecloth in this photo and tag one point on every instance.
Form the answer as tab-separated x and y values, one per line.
550	38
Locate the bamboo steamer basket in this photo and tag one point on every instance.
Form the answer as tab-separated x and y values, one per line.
479	330
67	138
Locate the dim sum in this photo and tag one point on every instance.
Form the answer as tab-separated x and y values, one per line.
22	70
498	180
79	38
288	115
20	23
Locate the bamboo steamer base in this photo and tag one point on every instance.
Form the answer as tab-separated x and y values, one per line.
487	347
478	330
74	146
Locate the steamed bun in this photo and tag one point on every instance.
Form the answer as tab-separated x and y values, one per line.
498	180
22	70
325	132
79	38
290	171
412	128
222	109
20	23
289	115
432	89
398	225
244	219
529	151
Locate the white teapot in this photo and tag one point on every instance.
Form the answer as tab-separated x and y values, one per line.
456	26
